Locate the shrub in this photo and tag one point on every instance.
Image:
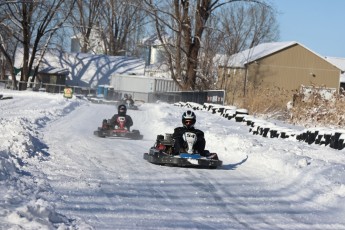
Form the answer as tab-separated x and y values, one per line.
315	109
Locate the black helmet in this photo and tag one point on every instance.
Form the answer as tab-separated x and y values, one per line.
122	110
188	119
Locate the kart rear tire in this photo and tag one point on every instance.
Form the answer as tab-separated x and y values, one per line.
97	133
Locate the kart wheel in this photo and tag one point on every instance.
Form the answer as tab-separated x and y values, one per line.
99	134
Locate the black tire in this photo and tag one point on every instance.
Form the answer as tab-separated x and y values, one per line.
97	133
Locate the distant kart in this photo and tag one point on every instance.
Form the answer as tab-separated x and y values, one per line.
129	104
162	154
107	130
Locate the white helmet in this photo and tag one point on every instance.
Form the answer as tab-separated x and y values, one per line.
188	119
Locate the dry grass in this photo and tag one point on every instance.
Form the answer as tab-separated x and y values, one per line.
316	110
296	108
265	101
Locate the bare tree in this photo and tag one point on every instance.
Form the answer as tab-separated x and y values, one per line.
84	22
8	44
121	25
211	46
245	26
7	47
186	22
32	24
111	27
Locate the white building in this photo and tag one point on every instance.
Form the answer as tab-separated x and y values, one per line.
154	57
96	46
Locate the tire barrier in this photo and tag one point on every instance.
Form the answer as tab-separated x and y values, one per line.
333	138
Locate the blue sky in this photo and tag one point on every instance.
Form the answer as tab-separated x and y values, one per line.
317	24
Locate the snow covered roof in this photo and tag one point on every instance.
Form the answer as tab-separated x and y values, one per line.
340	63
153	40
53	70
262	50
89	70
249	55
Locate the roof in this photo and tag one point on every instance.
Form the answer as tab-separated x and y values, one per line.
340	63
52	70
153	40
88	70
241	59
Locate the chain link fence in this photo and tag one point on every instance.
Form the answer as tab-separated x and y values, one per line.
49	88
208	96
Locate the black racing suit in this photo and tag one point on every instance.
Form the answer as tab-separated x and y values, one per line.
179	143
128	124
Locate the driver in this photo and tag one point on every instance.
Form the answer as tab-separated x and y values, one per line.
180	145
122	110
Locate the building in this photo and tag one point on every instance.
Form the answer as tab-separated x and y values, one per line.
153	53
52	79
153	49
95	44
287	65
82	70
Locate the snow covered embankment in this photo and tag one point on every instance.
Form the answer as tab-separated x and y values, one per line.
20	150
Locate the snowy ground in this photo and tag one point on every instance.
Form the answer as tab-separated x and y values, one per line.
55	174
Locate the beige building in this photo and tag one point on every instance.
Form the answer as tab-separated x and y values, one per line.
287	65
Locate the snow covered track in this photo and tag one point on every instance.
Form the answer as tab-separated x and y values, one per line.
74	180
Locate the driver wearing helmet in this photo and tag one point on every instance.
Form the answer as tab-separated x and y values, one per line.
188	121
122	110
127	100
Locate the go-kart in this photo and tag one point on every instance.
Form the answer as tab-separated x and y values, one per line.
119	130
162	153
128	103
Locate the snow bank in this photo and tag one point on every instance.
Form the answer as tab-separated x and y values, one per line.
19	145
